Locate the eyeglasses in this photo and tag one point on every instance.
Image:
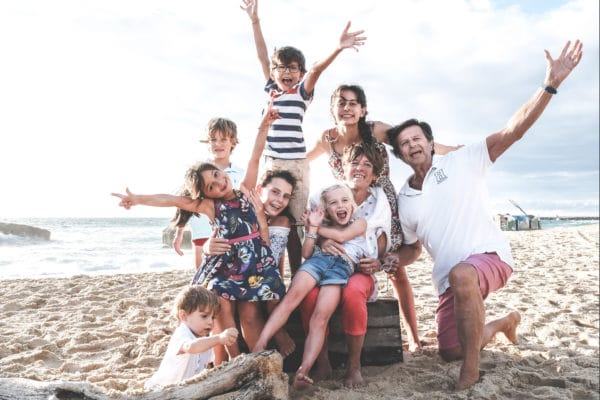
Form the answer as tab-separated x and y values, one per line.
282	68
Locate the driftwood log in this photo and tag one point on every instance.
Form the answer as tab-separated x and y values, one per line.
256	376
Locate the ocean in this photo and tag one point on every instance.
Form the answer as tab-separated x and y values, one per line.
91	246
96	246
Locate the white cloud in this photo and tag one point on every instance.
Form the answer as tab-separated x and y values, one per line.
99	95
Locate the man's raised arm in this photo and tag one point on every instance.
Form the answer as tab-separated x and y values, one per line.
556	72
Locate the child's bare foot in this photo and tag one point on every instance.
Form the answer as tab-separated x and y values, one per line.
354	378
285	344
322	371
514	319
414	346
301	381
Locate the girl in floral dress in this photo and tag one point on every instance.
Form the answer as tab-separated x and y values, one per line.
247	274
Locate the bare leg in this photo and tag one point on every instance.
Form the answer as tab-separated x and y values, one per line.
302	283
327	302
406	303
354	377
225	319
322	369
198	256
507	325
251	321
285	343
473	333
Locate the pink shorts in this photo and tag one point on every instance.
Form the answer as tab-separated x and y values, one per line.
493	274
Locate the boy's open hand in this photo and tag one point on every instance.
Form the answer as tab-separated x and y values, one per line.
351	39
251	8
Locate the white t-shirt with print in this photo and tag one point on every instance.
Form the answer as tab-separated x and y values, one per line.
451	215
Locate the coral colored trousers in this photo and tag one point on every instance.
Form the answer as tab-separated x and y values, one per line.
354	304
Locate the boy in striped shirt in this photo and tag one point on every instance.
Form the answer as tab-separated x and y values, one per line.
291	89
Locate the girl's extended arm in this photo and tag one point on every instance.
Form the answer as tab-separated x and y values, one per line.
318	148
161	200
344	233
379	130
198	345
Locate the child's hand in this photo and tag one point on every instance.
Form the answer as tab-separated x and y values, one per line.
214	245
251	8
316	216
270	115
351	39
305	215
177	240
127	200
257	203
228	336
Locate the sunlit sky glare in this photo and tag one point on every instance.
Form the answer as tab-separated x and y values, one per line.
99	95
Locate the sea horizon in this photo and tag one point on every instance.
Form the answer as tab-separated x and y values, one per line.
115	245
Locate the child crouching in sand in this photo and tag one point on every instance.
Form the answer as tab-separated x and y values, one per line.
190	349
329	272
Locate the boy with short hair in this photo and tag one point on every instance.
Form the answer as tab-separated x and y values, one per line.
291	89
190	349
221	138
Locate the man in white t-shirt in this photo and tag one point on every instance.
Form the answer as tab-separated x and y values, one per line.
444	207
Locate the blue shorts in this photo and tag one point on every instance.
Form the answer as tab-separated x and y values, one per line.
328	269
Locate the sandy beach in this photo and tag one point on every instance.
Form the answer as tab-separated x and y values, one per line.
111	331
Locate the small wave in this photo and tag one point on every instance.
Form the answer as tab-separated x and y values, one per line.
16	240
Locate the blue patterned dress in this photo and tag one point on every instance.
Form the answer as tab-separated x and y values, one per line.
248	271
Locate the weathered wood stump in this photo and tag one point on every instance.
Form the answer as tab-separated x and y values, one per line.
249	376
383	342
24	230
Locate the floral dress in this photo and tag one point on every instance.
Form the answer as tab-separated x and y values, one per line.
383	180
248	271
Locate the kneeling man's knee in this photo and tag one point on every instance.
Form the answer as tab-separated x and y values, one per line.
452	354
462	274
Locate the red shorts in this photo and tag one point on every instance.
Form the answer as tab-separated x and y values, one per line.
199	242
354	304
493	274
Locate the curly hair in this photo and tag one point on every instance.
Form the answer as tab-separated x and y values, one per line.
195	297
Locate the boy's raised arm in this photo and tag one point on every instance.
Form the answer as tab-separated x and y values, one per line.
251	8
347	40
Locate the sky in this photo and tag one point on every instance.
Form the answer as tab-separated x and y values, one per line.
96	96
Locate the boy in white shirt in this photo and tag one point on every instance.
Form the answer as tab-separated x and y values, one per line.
190	349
